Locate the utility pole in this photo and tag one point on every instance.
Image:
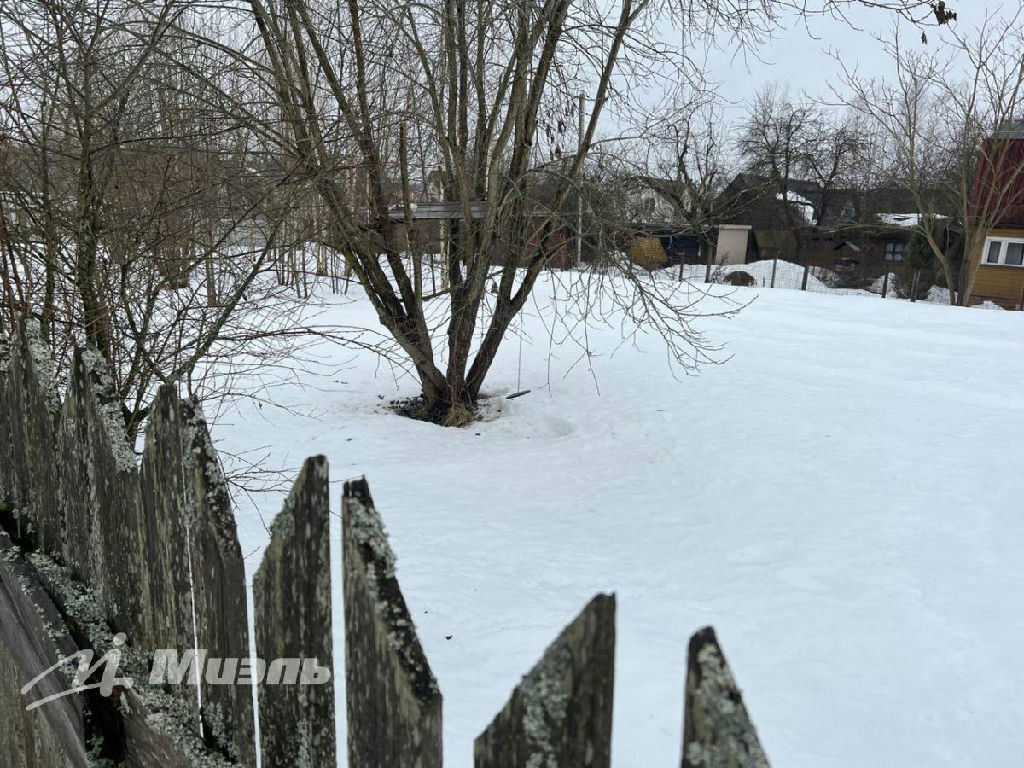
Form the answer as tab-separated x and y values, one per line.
679	170
579	191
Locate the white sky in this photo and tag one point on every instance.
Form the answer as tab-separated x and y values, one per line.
795	58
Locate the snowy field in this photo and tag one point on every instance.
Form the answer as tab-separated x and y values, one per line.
842	500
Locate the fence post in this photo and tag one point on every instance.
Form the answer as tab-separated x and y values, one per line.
292	605
885	282
393	703
717	731
775	265
561	713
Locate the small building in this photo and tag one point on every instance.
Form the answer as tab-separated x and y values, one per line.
1000	259
736	244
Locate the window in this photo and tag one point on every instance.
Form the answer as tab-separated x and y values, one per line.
894	251
994	246
1005	250
1014	252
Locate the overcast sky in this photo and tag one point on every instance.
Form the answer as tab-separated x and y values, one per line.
796	58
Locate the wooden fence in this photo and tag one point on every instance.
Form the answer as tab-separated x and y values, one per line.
101	551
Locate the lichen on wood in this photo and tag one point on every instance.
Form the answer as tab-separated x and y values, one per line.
292	604
142	726
218	581
33	638
146	545
393	701
717	730
29	466
560	715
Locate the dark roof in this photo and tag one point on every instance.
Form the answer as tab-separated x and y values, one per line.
1011	130
437	210
891	200
756	202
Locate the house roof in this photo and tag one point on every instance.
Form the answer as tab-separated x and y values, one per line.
443	209
1014	129
756	202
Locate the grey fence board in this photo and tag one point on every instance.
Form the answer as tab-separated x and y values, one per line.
120	569
6	429
393	705
26	739
218	581
292	603
81	545
560	715
33	638
32	406
717	730
165	521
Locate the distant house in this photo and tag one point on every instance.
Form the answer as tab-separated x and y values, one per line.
859	233
1000	259
655	219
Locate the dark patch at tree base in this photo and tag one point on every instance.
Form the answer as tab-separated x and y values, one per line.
442	414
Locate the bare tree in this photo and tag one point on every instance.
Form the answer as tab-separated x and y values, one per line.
138	139
944	120
777	141
836	149
801	145
684	156
482	77
121	166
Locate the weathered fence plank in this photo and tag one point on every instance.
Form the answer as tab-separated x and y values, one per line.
40	409
218	585
26	739
31	475
560	715
292	603
32	639
7	494
120	567
393	704
717	731
15	518
165	520
195	572
81	544
141	726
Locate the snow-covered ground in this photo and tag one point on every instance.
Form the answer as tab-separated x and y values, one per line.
842	500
